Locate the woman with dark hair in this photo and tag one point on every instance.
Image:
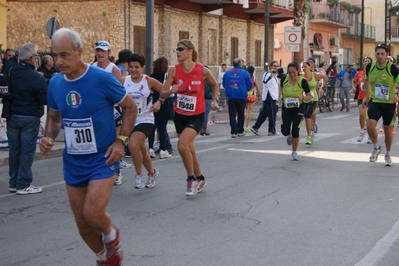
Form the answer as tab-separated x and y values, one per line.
251	99
294	90
159	73
187	78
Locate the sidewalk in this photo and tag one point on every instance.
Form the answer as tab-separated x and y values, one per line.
219	117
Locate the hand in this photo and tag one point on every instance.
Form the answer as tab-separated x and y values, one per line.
156	107
114	152
395	98
46	144
214	105
174	88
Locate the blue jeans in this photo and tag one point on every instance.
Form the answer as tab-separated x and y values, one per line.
22	136
236	108
208	103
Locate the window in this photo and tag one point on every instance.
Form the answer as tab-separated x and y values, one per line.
234	49
139	40
184	35
258	53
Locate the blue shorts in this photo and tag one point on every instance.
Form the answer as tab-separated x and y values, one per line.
79	170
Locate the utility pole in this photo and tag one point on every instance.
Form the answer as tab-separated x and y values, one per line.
361	34
266	45
149	35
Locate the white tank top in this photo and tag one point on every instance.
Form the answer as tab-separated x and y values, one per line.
108	68
142	95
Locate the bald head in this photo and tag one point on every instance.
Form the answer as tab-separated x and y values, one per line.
65	33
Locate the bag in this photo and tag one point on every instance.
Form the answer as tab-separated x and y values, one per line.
251	99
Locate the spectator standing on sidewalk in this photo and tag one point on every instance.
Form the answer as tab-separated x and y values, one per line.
381	97
270	92
345	86
29	95
222	98
82	100
237	82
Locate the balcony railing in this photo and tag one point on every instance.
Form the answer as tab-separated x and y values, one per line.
287	4
395	32
331	13
355	31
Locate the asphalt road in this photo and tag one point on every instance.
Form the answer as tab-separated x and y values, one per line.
332	207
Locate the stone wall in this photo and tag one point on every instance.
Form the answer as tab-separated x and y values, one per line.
109	20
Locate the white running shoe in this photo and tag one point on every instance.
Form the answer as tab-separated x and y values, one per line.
374	154
151	179
139	182
124	165
294	156
151	152
192	187
29	190
164	155
361	135
388	160
118	180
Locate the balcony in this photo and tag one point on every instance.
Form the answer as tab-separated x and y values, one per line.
355	31
330	16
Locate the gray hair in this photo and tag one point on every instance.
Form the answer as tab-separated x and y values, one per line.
73	36
26	51
237	62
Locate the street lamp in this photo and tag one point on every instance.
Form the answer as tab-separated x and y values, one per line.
266	44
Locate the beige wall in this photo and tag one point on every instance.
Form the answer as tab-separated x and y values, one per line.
3	23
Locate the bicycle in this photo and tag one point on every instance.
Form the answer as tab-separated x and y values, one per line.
327	100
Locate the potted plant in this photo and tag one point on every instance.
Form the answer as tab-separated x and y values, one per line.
332	2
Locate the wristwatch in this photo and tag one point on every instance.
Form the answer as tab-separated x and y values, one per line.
124	139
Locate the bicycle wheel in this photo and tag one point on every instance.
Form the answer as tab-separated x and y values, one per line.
322	103
331	104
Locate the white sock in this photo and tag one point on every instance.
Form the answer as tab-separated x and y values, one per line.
376	146
102	255
111	236
387	153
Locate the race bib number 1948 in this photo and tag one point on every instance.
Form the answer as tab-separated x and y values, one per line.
186	103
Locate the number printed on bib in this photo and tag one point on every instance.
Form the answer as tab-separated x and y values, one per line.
139	108
79	136
381	91
186	103
291	102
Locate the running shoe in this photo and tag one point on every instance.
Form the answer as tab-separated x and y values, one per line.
294	156
151	152
201	185
102	263
29	190
241	134
233	136
388	160
164	155
118	180
247	129
139	181
347	109
315	128
192	187
151	179
342	108
255	131
206	133
124	165
374	154
368	140
361	135
289	140
309	140
114	250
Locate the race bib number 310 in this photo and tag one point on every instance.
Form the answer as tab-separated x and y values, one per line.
79	136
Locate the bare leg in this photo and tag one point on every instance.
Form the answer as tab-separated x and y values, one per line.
186	149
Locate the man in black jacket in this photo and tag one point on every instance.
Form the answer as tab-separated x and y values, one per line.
29	95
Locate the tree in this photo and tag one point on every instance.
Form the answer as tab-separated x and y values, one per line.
299	21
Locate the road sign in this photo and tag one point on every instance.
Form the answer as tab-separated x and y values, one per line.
292	35
292	47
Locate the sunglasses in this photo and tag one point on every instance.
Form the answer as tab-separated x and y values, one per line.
180	49
102	44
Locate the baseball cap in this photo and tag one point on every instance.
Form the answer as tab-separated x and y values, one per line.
311	59
382	46
103	45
